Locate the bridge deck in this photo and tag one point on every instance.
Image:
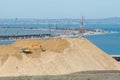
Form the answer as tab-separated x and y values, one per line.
16	37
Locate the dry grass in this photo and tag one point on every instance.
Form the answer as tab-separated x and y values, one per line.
89	75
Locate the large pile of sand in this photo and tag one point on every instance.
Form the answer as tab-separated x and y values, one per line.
62	56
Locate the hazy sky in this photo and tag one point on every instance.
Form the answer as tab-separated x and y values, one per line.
59	8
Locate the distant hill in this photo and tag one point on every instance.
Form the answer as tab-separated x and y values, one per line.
104	20
113	18
60	21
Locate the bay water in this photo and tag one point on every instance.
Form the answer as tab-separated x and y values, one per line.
110	43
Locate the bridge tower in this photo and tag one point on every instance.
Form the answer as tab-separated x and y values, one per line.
82	26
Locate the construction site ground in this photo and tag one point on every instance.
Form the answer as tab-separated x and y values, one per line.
62	57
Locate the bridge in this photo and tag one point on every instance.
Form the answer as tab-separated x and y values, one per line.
29	36
116	57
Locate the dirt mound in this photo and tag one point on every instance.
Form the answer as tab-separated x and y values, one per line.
62	56
54	45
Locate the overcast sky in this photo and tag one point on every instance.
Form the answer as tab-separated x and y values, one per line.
47	9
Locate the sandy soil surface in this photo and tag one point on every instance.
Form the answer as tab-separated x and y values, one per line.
62	56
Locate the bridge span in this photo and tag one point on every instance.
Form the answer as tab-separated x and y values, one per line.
17	37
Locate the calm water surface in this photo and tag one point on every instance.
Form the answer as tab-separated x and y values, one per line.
109	43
